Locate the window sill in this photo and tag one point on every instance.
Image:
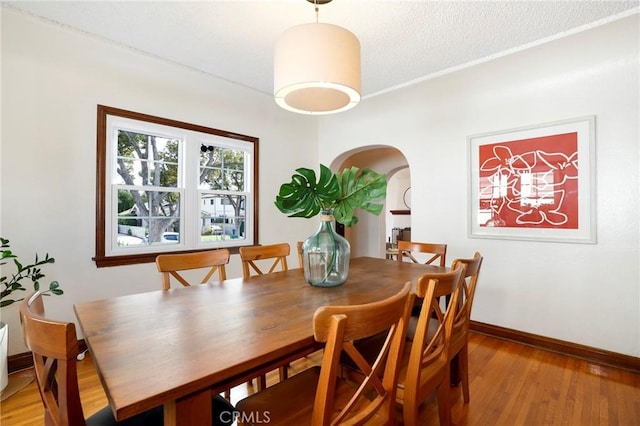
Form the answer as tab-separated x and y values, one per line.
133	259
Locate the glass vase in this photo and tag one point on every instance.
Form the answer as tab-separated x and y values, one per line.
325	255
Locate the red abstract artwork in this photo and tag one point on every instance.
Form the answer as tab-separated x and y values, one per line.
529	183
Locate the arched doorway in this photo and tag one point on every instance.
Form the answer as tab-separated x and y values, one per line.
369	235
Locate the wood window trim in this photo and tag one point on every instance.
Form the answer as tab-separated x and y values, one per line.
101	259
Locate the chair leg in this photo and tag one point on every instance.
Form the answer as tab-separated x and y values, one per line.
410	411
410	402
463	366
262	382
444	404
284	372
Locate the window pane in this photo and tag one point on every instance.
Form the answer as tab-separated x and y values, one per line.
210	178
165	174
166	231
147	215
131	233
146	160
222	168
223	217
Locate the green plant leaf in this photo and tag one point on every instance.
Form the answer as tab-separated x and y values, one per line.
13	282
304	196
7	254
359	190
342	192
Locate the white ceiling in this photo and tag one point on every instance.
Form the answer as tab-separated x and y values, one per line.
402	41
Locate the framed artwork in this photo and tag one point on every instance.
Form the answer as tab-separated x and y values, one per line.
534	183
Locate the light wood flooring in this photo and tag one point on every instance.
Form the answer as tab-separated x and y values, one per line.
511	384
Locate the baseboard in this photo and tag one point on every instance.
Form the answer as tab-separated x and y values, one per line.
24	360
19	362
587	353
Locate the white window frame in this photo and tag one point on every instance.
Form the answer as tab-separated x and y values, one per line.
191	137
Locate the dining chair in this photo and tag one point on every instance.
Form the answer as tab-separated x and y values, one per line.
425	364
300	254
408	249
54	345
459	356
170	265
318	396
251	256
438	252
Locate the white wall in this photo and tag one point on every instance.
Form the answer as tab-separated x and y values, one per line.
581	293
52	80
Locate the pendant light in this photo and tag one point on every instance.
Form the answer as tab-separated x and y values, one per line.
317	68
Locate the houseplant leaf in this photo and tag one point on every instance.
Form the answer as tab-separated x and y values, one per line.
359	189
304	197
33	272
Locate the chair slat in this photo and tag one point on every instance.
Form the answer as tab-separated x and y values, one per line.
438	251
249	256
171	264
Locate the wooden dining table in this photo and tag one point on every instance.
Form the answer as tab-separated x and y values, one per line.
175	347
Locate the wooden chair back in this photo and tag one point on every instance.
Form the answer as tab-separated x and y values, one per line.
170	265
438	251
427	366
469	282
338	327
460	332
300	260
55	347
250	255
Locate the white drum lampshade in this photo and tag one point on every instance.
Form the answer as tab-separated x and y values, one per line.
317	69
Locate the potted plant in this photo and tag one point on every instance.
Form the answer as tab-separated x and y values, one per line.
333	196
14	283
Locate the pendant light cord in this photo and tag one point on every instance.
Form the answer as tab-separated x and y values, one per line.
315	3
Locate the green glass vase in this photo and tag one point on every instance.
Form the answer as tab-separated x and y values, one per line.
325	255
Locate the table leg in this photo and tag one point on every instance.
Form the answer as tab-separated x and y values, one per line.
192	410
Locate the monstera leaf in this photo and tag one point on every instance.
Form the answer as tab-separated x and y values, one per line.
342	193
359	190
304	197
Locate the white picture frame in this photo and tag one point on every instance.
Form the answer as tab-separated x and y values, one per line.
534	183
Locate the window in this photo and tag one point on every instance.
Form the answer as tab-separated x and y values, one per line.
167	186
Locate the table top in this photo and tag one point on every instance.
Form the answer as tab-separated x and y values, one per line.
154	347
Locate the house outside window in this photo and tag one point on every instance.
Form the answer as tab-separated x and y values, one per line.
167	186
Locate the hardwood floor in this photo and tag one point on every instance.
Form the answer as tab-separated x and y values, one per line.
511	384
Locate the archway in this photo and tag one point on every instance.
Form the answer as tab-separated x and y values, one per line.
369	235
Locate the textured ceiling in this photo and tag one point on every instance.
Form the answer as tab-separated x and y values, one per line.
402	41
